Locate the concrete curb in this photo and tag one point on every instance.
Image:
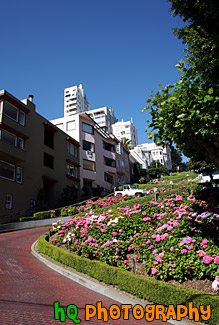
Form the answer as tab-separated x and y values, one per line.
30	224
79	278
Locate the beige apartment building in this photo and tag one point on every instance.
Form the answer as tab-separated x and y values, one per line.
37	160
104	160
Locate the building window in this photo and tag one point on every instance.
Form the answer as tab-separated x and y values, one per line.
70	125
89	165
89	146
118	163
87	128
21	118
108	178
12	139
109	162
108	146
8	201
19	174
48	160
7	170
32	206
20	143
126	163
9	137
72	170
11	111
48	138
72	149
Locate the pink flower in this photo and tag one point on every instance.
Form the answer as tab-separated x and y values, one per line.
135	256
145	233
216	260
144	213
120	230
207	259
114	233
154	271
146	219
184	251
171	248
205	242
201	254
116	256
125	261
172	265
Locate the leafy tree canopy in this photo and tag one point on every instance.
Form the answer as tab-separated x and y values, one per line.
200	34
187	112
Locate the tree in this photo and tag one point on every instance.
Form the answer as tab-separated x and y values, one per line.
200	34
127	143
69	195
176	157
201	167
187	113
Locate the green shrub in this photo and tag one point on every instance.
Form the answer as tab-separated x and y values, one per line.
147	288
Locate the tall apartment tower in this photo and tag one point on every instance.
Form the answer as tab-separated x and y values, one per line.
75	100
103	116
126	130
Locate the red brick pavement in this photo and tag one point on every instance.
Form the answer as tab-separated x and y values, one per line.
28	288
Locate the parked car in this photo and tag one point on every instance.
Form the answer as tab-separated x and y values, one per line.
128	189
205	178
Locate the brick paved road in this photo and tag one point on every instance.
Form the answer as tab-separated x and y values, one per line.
28	288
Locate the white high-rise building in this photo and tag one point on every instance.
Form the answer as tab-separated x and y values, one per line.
103	116
75	100
126	130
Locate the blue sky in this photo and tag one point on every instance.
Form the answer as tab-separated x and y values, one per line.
119	50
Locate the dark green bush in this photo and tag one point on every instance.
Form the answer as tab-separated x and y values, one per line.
152	290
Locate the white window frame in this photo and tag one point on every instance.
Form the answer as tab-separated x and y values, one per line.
20	169
22	122
70	125
8	201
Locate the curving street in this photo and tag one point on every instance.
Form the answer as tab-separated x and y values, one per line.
28	288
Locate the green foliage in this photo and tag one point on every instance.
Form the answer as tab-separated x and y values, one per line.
37	216
142	287
69	195
200	34
127	143
186	113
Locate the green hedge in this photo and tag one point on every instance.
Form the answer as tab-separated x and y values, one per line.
145	288
37	216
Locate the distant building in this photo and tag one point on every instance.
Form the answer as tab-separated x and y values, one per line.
35	157
149	152
75	100
103	116
125	130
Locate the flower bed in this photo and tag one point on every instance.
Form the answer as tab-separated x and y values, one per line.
94	204
175	238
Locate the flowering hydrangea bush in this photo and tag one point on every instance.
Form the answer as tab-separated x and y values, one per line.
90	204
168	237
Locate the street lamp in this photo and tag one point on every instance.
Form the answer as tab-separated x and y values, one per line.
155	193
171	184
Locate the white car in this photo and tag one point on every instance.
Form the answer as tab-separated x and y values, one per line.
205	178
128	189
